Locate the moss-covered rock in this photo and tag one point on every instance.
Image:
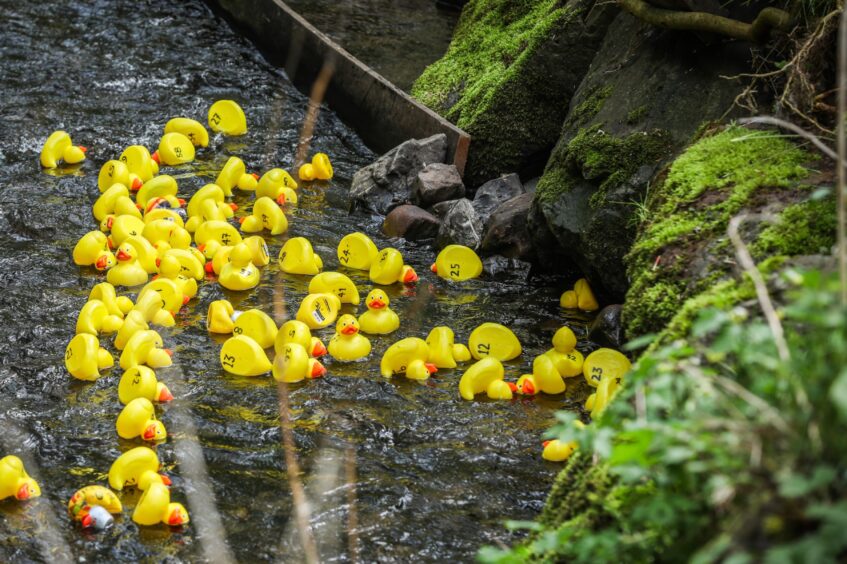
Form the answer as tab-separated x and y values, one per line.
508	76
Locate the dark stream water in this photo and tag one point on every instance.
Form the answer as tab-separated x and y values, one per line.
436	476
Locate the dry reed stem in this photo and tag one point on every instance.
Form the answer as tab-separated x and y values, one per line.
315	99
842	154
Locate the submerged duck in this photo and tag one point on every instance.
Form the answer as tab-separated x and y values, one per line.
155	507
234	174
294	331
493	339
14	481
128	468
145	347
192	129
479	377
242	356
83	504
319	310
239	273
389	268
59	147
298	257
227	117
443	351
457	262
140	382
379	319
94	318
277	185
266	214
138	419
174	149
356	250
336	283
347	344
85	358
293	364
257	325
407	356
128	271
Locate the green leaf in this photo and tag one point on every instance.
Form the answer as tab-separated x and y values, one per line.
798	485
838	394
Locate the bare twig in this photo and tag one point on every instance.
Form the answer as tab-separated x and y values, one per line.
842	154
813	139
315	99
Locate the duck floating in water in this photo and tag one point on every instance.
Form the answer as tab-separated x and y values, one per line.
242	356
138	419
140	381
128	468
298	257
457	262
335	283
139	162
171	269
192	129
114	200
547	378
356	250
94	318
227	117
121	228
85	358
234	175
117	305
220	232
133	323
479	376
407	356
145	347
606	390
191	262
146	253
293	364
319	310
155	506
207	204
389	268
174	149
379	319
294	331
115	172
605	363
493	339
527	386
239	273
257	325
219	317
564	355
266	214
277	185
59	147
93	250
93	506
128	271
444	352
348	344
14	481
319	169
581	297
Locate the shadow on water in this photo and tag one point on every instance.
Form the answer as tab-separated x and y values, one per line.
436	476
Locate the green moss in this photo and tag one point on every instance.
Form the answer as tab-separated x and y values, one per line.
591	106
636	115
804	228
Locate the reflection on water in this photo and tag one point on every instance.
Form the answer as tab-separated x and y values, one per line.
436	476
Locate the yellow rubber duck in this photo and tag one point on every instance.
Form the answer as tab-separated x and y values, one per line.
165	231
145	347
407	356
115	172
293	364
59	147
257	325
606	390
243	356
155	507
163	212
85	358
389	268
157	301
105	292
128	271
319	169
141	382
191	262
581	297
133	323
493	339
356	250
192	129
335	283
138	419
479	376
294	331
94	318
146	253
298	257
107	203
457	262
266	214
558	451
546	377
220	232
348	344
565	357
319	310
171	269
306	172
207	204
499	390
139	162
14	481
93	250
258	250
605	363
174	149
219	260
162	186
121	228
227	117
239	273
527	386
277	185
128	468
219	317
444	352
234	174
82	502
379	319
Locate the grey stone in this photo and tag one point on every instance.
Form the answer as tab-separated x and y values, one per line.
607	330
495	192
460	226
440	209
497	266
437	182
387	182
506	232
410	222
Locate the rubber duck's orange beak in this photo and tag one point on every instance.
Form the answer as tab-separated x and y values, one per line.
434	268
86	521
528	388
281	200
81	148
23	492
155	157
431	367
169	352
185	300
234	207
101	263
411	276
376	304
241	219
545	443
149	433
201	247
512	387
165	395
318	370
176	518
122	255
318	350
136	184
165	480
109	222
254	175
181	202
209	268
350	330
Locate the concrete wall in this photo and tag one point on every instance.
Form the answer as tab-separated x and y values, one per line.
382	114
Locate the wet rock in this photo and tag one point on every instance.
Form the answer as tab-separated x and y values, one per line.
506	232
494	192
497	266
411	222
387	182
440	209
607	330
437	182
461	226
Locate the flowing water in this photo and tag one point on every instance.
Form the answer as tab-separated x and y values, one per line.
435	476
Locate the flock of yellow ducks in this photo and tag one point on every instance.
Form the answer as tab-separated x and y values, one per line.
180	242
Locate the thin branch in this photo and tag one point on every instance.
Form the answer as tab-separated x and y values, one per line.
813	139
842	154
